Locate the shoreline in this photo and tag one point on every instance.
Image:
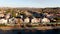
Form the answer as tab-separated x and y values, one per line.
37	28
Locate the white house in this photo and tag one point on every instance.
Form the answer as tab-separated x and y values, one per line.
3	21
45	20
35	20
26	20
12	21
7	16
1	14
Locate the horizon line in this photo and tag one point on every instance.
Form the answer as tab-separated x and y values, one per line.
28	7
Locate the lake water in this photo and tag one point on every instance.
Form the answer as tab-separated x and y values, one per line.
33	31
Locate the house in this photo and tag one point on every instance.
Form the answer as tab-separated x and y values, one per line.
26	20
45	20
58	15
12	21
36	20
7	16
19	20
1	14
3	21
51	17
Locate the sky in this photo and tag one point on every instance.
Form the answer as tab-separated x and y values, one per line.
30	3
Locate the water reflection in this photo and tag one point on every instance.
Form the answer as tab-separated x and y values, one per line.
27	31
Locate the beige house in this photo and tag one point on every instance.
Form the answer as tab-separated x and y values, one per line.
1	14
7	16
45	20
26	20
